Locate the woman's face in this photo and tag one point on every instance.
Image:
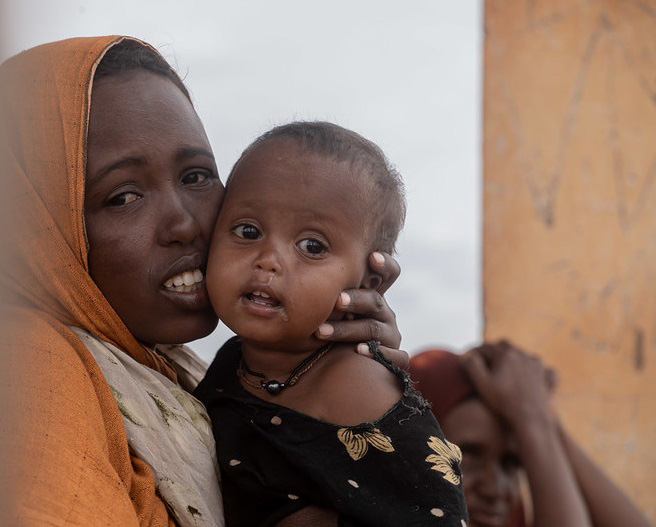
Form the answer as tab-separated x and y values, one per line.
490	463
151	199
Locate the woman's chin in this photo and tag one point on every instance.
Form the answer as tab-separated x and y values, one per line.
181	330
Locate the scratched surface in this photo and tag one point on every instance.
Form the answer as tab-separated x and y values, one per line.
569	251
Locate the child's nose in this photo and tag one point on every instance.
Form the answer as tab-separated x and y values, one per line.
269	262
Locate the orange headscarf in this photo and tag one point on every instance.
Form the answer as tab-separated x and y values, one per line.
66	452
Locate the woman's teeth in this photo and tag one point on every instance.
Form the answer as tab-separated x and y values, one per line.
185	282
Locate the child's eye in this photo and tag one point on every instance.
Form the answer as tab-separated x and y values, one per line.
311	246
246	231
123	199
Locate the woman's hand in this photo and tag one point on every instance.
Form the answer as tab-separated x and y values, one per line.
311	516
368	317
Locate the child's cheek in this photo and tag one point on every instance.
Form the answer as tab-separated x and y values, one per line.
219	274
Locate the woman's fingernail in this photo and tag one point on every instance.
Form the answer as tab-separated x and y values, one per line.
325	330
380	259
344	299
363	349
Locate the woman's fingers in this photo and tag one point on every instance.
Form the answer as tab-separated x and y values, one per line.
311	515
367	317
397	357
359	330
365	303
385	266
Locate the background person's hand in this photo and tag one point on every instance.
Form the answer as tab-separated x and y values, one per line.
513	384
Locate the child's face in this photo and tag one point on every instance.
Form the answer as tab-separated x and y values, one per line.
289	238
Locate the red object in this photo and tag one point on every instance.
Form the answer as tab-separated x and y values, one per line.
441	379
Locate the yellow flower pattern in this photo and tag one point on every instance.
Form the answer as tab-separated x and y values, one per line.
447	456
357	443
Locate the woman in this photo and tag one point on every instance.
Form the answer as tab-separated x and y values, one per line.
110	195
494	404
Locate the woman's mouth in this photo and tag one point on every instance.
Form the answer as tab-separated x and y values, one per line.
185	282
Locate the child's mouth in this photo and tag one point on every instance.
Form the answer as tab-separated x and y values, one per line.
263	299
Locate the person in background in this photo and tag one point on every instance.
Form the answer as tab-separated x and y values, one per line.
494	403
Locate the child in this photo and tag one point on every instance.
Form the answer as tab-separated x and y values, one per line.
299	422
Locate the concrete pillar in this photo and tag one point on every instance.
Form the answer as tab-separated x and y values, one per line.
569	251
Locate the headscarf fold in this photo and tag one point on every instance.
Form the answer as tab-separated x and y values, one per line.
46	95
66	456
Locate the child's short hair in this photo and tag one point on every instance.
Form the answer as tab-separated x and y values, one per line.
383	187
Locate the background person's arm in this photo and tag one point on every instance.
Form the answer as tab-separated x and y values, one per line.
607	504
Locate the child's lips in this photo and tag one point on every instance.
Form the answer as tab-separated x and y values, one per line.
262	302
262	298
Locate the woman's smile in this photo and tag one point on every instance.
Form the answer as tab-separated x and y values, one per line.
185	282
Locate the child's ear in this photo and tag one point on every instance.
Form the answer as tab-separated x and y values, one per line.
371	280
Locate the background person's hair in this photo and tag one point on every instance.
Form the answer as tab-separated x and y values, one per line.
381	184
130	55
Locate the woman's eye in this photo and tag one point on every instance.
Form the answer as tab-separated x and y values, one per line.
311	246
123	199
246	231
193	178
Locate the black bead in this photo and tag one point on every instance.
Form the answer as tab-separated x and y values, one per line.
273	387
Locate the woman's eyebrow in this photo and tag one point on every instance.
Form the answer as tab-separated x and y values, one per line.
190	151
131	161
115	165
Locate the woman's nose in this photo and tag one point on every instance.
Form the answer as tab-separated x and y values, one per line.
178	221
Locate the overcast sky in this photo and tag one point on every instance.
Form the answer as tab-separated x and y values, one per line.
406	75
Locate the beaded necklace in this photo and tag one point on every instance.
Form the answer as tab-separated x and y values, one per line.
273	386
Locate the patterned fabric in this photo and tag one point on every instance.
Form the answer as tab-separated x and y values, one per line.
169	430
396	471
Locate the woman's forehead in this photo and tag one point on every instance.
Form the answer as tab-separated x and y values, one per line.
139	113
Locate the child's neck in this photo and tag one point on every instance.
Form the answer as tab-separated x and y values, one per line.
277	362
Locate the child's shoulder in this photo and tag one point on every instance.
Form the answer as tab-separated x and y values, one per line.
354	389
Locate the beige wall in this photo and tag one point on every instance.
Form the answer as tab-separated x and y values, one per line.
570	213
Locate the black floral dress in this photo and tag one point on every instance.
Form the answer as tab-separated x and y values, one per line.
396	471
